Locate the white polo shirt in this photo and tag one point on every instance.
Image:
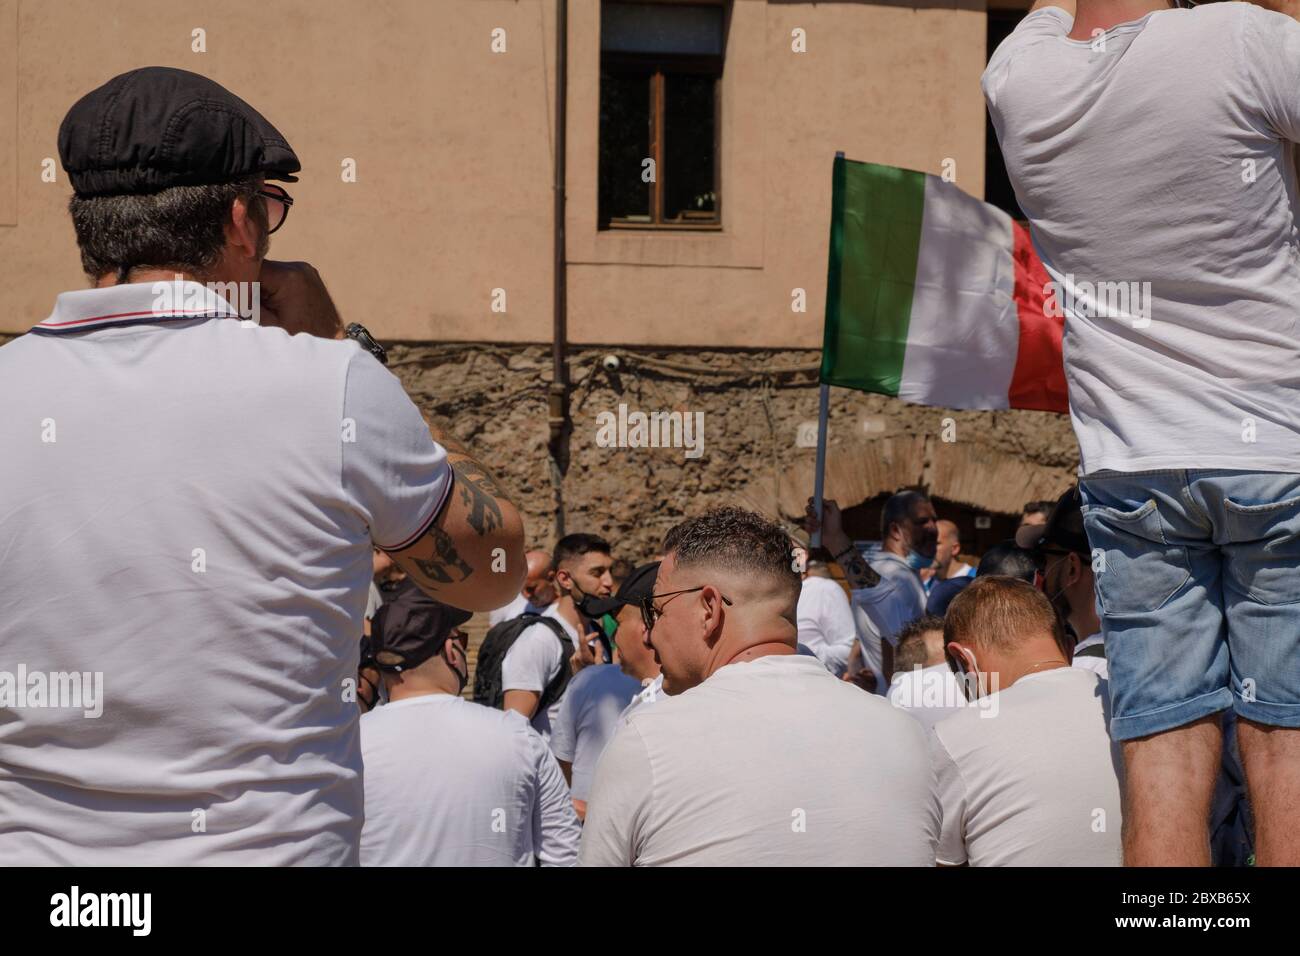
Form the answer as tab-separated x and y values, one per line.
188	509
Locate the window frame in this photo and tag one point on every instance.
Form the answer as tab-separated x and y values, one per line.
659	64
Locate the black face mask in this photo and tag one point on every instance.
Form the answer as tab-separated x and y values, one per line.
584	603
462	677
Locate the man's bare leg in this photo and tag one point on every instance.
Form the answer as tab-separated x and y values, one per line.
1271	756
1168	784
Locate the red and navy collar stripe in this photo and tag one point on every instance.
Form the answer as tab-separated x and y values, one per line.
118	319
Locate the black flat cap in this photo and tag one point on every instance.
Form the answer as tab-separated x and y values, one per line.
157	127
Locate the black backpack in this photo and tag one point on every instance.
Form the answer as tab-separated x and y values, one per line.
492	654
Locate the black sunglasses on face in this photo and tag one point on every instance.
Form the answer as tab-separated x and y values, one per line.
277	206
649	612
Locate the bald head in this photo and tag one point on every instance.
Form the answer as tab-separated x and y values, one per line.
539	588
947	549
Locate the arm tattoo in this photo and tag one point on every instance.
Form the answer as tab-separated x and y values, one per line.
859	573
446	566
479	494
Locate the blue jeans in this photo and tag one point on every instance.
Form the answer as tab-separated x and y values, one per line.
1198	587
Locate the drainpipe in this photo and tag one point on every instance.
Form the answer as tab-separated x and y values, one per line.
558	399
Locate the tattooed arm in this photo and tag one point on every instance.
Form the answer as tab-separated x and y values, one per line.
840	545
473	555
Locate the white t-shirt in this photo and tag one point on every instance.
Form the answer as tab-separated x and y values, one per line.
651	691
884	610
201	530
1097	665
927	693
1161	153
826	622
532	662
453	783
1031	778
590	708
508	612
746	770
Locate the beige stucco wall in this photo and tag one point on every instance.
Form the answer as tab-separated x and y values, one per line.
453	148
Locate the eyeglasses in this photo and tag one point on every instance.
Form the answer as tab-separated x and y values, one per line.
277	206
649	612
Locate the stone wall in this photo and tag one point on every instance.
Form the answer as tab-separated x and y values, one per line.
753	402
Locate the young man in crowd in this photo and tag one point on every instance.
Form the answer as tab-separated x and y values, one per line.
598	695
887	590
201	524
738	766
538	592
1173	260
450	782
1027	775
923	685
581	573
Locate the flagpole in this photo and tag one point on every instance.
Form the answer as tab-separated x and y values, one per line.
819	478
823	417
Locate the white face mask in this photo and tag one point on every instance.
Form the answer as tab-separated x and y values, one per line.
972	681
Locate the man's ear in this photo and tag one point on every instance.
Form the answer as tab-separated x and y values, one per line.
563	579
242	231
711	611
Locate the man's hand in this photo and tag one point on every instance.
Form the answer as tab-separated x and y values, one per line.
840	545
294	298
590	651
833	537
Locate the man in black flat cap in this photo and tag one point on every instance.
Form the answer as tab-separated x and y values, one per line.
450	782
200	497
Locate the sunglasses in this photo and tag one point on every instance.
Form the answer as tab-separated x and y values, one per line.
650	613
277	206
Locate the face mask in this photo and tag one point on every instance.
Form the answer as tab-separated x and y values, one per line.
916	561
968	675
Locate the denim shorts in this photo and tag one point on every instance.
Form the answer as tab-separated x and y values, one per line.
1198	588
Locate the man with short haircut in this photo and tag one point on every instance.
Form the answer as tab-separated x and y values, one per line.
759	757
450	782
947	555
538	592
923	684
598	695
1035	514
200	507
1173	262
581	574
887	590
1028	775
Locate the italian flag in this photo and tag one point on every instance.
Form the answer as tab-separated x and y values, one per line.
935	297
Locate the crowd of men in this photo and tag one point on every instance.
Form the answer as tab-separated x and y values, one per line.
200	506
981	738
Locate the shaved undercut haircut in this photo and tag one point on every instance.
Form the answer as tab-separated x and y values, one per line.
737	540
